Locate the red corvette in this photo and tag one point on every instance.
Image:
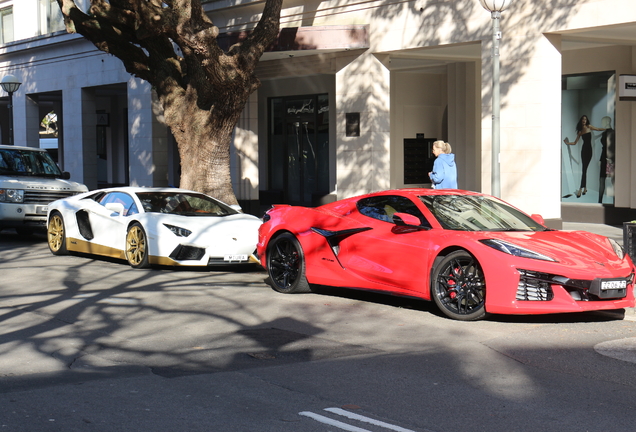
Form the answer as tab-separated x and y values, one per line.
470	253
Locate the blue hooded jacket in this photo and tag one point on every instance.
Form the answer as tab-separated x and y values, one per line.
444	174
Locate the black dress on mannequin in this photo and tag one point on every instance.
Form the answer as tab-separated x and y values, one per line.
586	157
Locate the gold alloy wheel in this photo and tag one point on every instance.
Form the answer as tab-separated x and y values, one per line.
55	234
136	246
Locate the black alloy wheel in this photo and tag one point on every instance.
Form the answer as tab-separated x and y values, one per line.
459	287
286	265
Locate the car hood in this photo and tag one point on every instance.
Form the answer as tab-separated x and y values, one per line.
235	224
571	248
40	183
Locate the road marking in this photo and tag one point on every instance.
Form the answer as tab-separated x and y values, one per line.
367	420
336	423
352	416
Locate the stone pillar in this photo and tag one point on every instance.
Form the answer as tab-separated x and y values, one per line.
530	156
148	136
80	143
32	124
244	154
463	128
89	137
363	163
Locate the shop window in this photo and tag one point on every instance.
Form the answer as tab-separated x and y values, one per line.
588	141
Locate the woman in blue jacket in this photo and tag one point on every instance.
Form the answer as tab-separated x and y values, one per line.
444	174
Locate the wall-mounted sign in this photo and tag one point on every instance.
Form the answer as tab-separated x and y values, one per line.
103	119
627	86
353	124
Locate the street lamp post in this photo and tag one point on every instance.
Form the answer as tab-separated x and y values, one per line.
495	7
10	84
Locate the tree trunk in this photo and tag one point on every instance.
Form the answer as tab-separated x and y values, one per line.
204	139
202	88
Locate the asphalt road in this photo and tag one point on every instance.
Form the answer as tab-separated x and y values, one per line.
92	345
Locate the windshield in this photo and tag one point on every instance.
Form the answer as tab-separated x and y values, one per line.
182	203
27	163
478	213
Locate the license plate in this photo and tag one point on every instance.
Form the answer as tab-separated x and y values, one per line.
613	284
41	209
235	258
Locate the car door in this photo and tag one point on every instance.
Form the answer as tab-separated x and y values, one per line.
398	259
107	225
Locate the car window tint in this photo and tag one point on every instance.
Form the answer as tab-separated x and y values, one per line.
122	198
27	162
383	207
182	203
478	213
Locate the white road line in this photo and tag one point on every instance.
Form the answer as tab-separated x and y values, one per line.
336	423
367	420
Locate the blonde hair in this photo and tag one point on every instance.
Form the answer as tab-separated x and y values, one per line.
443	146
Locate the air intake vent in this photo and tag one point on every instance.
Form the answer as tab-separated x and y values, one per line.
533	286
181	253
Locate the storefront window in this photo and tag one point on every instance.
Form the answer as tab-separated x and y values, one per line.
588	146
299	148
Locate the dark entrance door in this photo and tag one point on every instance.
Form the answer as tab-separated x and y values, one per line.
299	148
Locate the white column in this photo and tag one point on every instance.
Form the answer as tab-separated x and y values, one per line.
147	136
78	123
244	152
32	125
364	162
530	123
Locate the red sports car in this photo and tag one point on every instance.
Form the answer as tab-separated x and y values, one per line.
468	252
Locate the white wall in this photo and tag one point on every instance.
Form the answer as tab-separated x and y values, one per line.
418	103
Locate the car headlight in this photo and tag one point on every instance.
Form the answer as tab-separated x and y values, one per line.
512	249
178	231
618	249
12	195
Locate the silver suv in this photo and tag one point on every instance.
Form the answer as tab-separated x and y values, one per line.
29	181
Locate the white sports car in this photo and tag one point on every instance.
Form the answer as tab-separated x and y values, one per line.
152	226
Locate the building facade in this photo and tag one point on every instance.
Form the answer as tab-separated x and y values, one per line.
352	96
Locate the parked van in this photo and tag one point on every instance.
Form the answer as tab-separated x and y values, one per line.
29	181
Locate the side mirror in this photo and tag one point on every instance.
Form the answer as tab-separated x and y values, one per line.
404	219
237	207
66	175
538	218
406	223
115	208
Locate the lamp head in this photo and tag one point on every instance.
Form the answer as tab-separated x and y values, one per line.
10	83
495	5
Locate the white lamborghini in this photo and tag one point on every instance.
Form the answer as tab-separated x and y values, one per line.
152	226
